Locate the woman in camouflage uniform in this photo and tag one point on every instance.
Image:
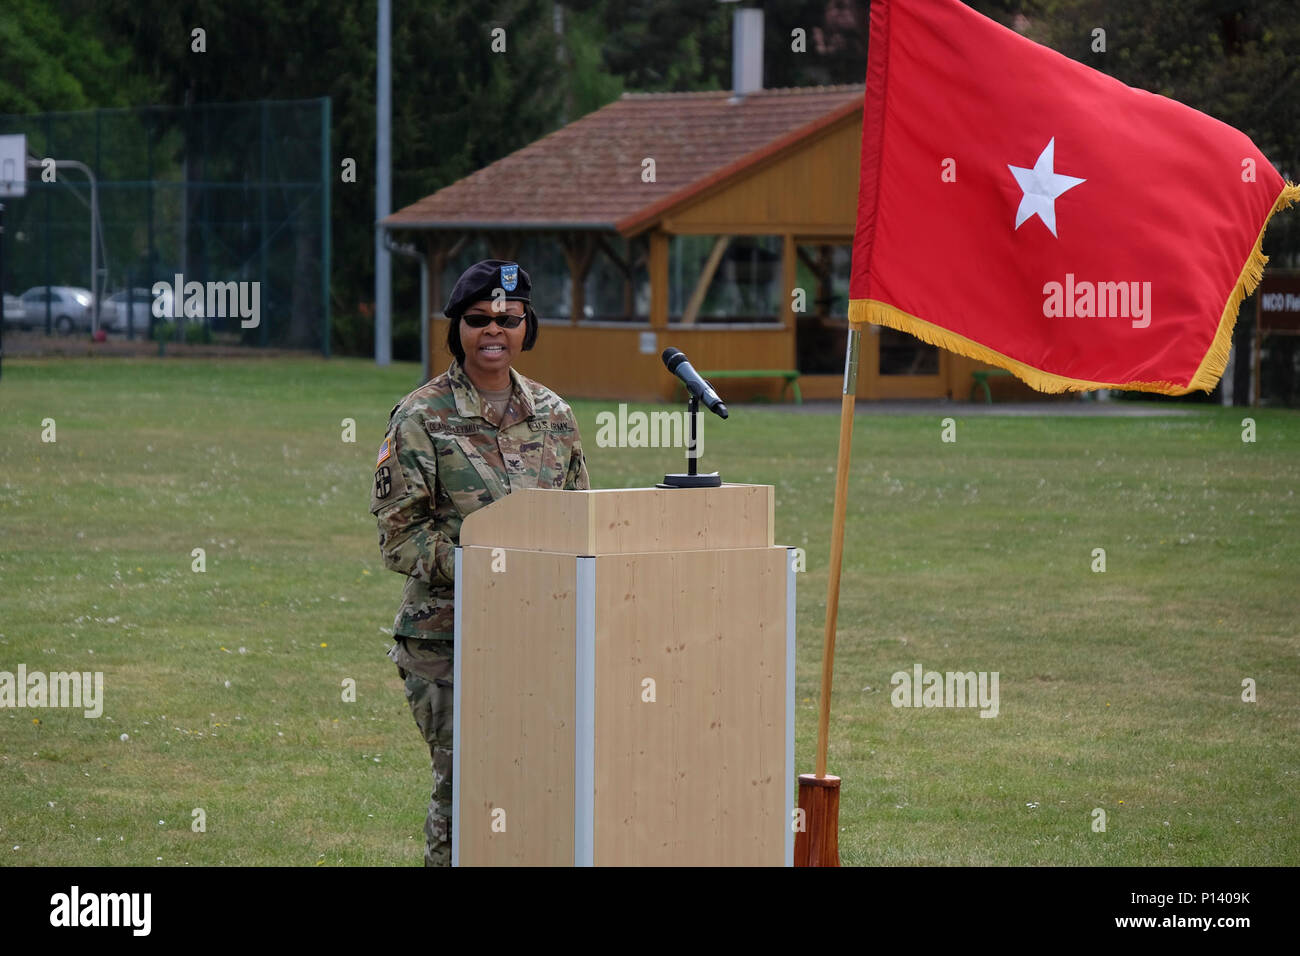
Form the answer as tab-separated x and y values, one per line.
471	435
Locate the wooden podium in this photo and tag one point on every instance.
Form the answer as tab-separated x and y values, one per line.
624	680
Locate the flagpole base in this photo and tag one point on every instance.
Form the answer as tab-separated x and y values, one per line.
818	843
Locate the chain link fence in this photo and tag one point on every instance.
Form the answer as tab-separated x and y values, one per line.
226	204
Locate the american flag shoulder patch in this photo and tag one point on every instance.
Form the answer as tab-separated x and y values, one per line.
384	451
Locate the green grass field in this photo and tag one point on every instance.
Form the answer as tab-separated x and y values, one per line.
1119	690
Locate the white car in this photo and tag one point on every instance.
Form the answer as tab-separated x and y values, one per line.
113	311
70	307
15	317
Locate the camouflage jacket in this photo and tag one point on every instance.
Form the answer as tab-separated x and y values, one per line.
446	454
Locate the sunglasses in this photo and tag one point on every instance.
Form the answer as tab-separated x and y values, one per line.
480	320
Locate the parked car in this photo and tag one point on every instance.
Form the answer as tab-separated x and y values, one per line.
70	307
15	317
113	311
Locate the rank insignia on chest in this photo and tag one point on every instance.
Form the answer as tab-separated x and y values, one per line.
384	451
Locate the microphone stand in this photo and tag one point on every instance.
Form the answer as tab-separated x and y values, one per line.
692	478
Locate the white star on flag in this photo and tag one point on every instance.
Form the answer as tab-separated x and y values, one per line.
1041	186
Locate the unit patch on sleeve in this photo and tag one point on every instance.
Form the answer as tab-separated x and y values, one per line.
389	486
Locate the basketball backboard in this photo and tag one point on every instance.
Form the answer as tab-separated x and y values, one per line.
13	166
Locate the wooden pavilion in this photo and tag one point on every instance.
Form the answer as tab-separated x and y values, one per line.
714	223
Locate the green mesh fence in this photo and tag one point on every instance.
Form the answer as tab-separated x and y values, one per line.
223	193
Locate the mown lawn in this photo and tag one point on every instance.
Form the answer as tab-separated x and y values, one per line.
1119	691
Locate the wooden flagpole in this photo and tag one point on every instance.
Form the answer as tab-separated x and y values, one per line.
817	842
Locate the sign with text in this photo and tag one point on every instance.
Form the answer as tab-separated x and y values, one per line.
1279	302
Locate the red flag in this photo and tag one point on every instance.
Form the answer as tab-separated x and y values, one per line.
1028	211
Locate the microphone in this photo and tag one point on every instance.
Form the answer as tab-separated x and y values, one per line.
676	362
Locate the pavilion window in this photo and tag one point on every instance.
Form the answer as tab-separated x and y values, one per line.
903	354
822	274
618	283
724	279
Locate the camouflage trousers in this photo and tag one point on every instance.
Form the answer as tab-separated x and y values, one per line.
430	699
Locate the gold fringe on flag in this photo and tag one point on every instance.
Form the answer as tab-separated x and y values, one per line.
1207	374
1216	359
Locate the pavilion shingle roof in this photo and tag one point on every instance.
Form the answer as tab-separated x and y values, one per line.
588	174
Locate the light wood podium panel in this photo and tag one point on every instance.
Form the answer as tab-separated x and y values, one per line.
560	758
619	520
698	776
515	685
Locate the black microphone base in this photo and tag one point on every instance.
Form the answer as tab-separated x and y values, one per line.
711	480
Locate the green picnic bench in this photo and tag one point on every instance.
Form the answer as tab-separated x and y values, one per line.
981	380
790	376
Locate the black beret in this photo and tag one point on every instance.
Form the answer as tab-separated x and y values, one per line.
482	279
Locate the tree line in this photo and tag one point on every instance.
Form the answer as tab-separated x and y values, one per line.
457	106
